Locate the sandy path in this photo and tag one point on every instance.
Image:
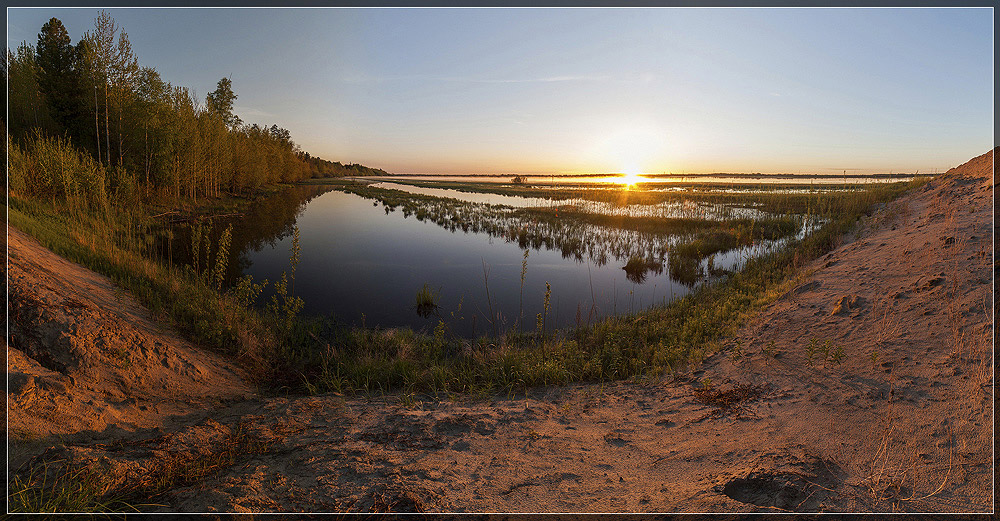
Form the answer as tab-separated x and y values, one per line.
909	429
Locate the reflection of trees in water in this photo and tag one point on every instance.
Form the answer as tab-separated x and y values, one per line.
642	243
266	221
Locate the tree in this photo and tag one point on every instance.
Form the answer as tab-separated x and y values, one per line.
153	110
114	68
124	71
91	79
58	74
27	104
220	102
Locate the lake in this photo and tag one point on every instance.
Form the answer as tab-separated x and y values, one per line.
363	265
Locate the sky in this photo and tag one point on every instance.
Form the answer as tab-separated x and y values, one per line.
587	90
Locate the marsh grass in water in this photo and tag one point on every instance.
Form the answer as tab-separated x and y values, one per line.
427	300
601	238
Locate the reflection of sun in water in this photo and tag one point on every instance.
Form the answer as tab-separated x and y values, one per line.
630	178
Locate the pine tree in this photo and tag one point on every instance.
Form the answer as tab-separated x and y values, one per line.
59	75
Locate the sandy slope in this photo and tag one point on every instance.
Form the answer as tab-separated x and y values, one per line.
85	359
909	428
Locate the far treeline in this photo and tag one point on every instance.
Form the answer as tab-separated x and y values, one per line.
87	122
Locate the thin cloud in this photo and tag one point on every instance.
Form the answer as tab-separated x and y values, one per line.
545	79
250	112
363	78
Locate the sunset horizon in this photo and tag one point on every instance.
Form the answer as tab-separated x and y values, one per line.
574	90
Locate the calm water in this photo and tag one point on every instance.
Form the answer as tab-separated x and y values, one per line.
364	266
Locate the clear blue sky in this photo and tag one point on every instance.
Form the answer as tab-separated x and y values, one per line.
587	90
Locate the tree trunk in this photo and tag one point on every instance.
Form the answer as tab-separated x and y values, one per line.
107	126
97	127
145	136
121	146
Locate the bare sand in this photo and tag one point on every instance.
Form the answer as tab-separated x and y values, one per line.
866	387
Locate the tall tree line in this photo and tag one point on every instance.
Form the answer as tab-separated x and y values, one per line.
139	131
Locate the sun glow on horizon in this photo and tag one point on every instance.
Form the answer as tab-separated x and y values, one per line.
629	178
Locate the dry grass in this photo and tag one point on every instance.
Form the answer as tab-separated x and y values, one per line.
885	326
57	485
732	401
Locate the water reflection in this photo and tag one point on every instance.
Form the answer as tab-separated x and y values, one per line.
374	266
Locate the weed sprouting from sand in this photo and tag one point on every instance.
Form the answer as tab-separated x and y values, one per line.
811	350
832	353
874	357
736	354
769	351
885	326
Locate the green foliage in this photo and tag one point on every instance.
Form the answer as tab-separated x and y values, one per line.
27	106
59	77
246	291
52	168
220	103
284	305
222	258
